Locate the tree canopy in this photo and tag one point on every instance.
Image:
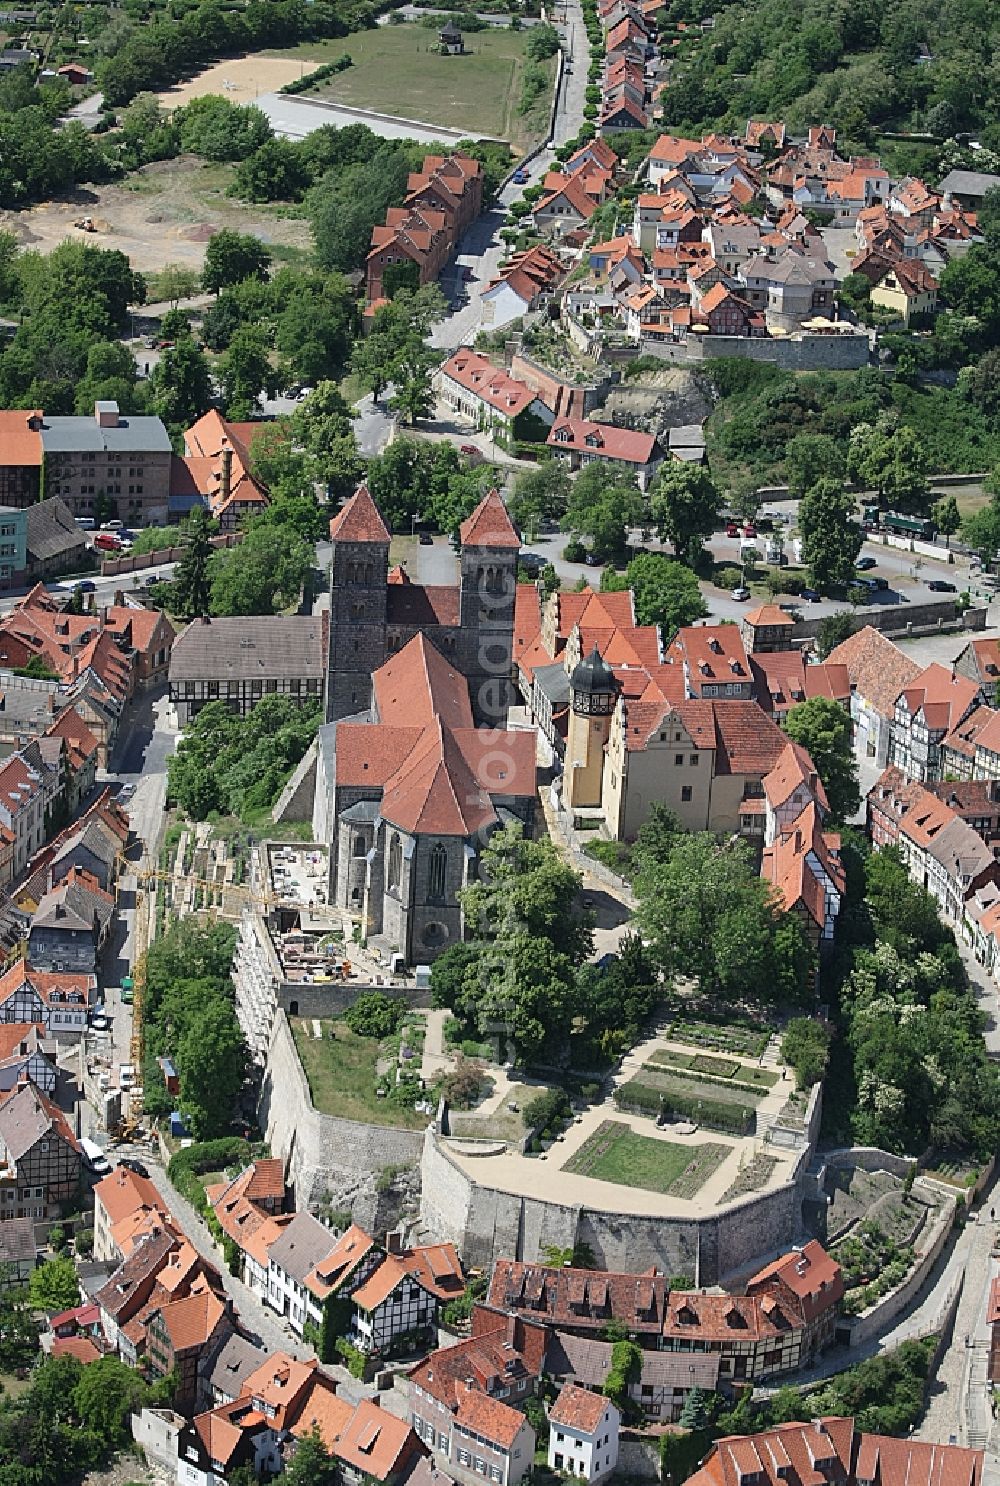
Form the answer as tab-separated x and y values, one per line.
824	728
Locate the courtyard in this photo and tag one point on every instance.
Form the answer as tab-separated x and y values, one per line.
615	1153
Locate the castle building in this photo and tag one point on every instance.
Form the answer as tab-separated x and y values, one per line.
375	614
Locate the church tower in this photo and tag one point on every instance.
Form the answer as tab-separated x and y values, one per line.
593	695
490	548
359	569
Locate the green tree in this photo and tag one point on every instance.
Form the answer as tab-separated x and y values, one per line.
542	42
18	1328
805	1047
539	494
603	505
190	591
705	912
181	384
174	282
110	375
263	575
666	592
311	1465
231	257
811	457
695	1411
890	459
53	1286
946	516
981	530
831	535
834	629
107	1393
412	396
823	728
245	371
526	884
212	1060
684	503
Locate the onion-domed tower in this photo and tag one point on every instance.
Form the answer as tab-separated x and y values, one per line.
593	696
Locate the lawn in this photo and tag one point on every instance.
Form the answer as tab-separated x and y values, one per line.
715	1067
676	1081
614	1153
397	70
341	1069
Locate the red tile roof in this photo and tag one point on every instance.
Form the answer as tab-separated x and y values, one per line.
417	684
809	1272
579	1409
376	1442
602	439
359	520
493	385
80	1347
878	670
492	1420
489	525
19	444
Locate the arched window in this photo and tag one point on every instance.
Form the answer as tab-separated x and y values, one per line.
436	875
395	861
358	847
293	1008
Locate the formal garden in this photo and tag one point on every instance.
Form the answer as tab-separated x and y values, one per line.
615	1153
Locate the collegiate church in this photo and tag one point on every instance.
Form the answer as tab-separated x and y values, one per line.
415	765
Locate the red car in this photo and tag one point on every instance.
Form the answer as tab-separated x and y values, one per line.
470	451
732	530
749	530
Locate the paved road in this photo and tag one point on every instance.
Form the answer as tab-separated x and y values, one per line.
481	250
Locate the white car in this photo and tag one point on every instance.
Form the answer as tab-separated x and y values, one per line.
740	594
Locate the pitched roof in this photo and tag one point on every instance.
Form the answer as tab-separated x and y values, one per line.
323	1411
83	1348
374	1441
280	1382
579	1409
192	1320
794	768
21	444
489	525
28	1116
940	695
351	1249
359	520
789	1452
250	648
486	1361
417	684
909	1462
435	791
489	1418
124	1191
602	438
301	1246
878	669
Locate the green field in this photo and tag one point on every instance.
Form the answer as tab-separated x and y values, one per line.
397	70
614	1153
341	1069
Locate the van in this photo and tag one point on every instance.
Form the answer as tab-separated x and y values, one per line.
85	523
106	541
94	1158
126	1075
112	525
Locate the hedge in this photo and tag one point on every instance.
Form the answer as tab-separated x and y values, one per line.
735	1119
206	1155
318	75
708	1078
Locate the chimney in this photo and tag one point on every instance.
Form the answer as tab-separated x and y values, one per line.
60	911
512	1329
205	619
394	1242
226	486
106	414
119	599
35	423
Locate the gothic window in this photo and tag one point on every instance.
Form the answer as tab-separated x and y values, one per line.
395	861
435	878
358	847
369	574
357	611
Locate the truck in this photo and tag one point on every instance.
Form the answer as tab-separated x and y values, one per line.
908	526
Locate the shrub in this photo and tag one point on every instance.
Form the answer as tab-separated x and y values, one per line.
805	1047
735	1119
728	577
574	551
547	1109
374	1014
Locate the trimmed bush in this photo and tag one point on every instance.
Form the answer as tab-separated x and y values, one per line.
735	1119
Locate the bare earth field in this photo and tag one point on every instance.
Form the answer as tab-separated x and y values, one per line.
165	213
242	79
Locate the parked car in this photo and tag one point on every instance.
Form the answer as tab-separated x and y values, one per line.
592	561
749	530
126	792
520	176
471	452
863	564
305	392
85	585
131	1164
532	562
792	609
811	595
732	530
112	526
108	541
740	594
941	585
99	1022
425	539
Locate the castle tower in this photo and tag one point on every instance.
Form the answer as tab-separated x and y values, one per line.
490	548
359	567
593	695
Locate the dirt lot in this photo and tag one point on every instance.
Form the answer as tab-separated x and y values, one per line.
242	79
165	213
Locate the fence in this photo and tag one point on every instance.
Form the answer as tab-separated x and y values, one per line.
135	562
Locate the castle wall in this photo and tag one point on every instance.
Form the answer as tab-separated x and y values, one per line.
326	1159
486	1224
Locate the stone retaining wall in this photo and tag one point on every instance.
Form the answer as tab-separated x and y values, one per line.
876	1319
325	1158
486	1223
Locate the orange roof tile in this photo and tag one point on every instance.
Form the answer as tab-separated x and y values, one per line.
577	1408
359	520
489	525
20	445
375	1442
